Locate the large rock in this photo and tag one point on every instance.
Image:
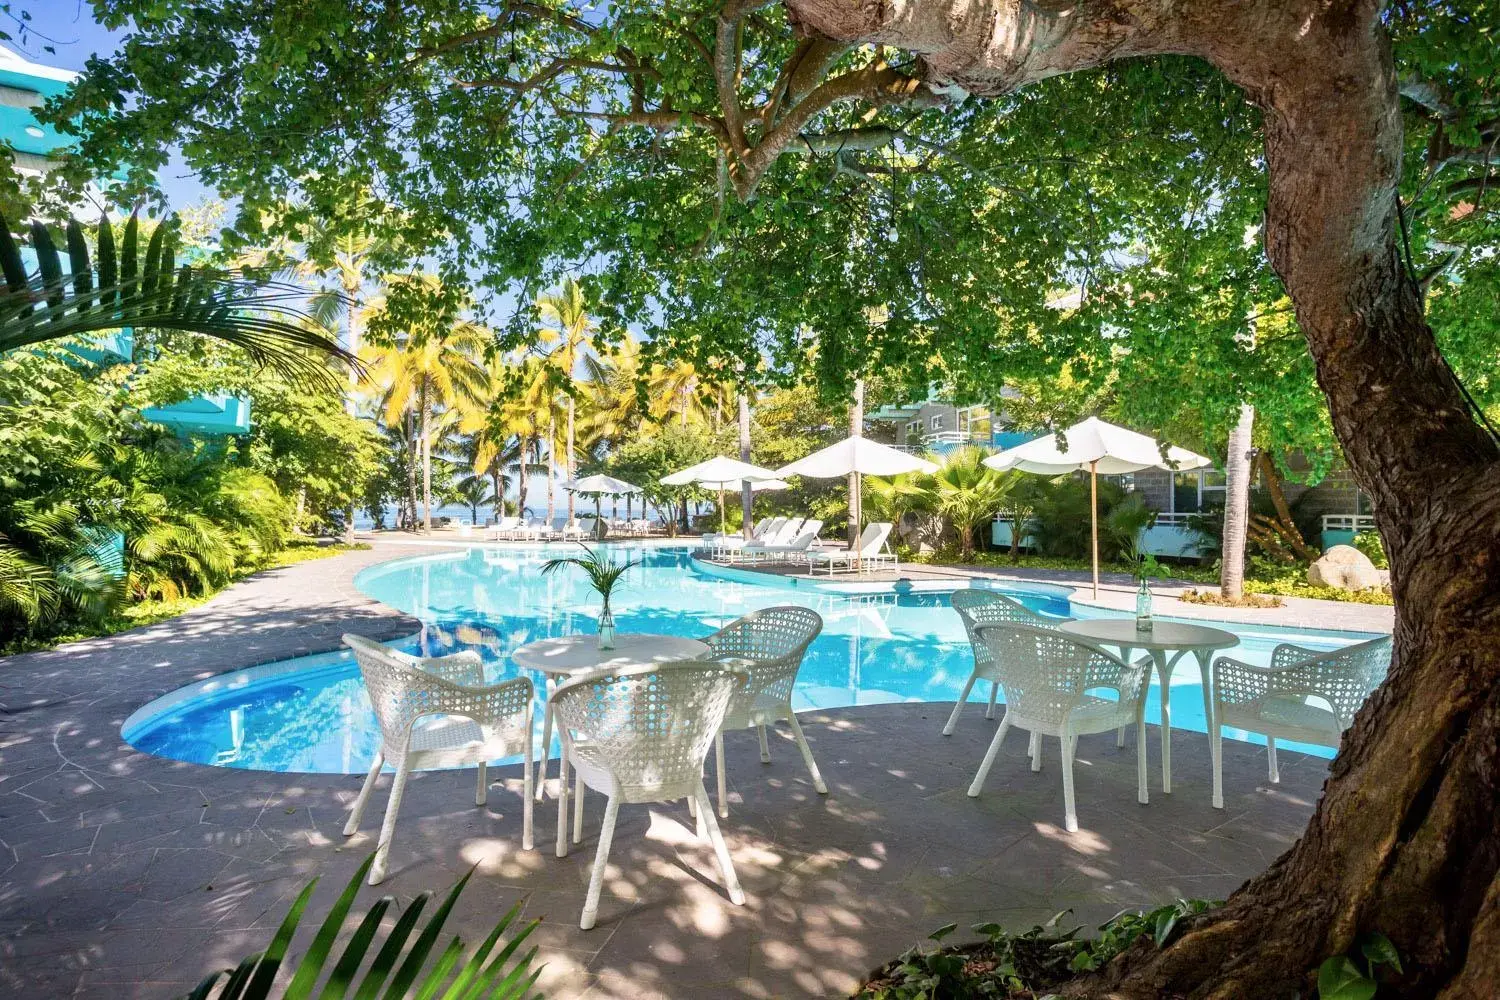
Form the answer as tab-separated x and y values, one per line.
1344	567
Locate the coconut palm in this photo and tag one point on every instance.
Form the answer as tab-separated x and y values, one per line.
437	381
125	287
568	329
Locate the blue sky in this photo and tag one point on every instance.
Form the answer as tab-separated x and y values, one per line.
68	26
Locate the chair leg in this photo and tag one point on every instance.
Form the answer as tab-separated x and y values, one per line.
528	809
481	787
562	807
1034	748
989	713
541	767
1120	738
989	756
807	757
1271	757
765	748
352	827
1216	752
719	774
721	850
1142	795
577	807
388	826
601	859
958	707
1070	813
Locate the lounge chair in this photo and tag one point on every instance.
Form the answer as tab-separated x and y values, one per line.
502	529
1048	677
1287	699
777	534
791	552
573	531
438	712
869	553
723	544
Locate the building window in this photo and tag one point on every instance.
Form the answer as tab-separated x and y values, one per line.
1194	492
936	423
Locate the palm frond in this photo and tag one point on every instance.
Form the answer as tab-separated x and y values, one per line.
404	960
603	572
266	318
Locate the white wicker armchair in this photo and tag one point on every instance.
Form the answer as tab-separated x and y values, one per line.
640	735
437	712
1305	695
1048	678
769	645
977	608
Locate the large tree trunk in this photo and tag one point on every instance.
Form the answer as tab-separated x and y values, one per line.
426	461
1406	838
352	318
551	466
747	497
1236	507
522	476
413	458
572	470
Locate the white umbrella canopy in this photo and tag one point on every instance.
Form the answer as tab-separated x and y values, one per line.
1095	447
856	456
719	473
717	470
756	486
602	484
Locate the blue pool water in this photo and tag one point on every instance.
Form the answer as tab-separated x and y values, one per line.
877	645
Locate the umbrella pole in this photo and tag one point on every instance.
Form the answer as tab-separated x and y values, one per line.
721	509
1094	519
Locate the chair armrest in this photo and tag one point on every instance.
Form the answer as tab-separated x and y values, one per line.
1287	654
1105	670
491	704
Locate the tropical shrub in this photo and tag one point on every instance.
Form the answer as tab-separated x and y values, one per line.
1369	543
968	493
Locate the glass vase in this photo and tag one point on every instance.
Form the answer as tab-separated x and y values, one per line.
606	629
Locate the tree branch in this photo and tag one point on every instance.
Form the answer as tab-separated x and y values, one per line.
557	67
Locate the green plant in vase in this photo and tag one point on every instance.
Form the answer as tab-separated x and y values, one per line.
603	573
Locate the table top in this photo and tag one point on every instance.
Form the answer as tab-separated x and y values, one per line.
1163	634
576	654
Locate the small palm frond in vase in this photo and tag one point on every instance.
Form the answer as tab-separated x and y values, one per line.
603	573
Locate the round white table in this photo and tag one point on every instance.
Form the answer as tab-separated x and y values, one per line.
1177	638
572	655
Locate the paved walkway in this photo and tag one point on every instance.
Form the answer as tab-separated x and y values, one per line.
127	875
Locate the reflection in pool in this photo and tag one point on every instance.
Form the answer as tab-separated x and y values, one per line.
311	714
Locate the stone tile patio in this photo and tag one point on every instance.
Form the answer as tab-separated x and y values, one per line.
126	875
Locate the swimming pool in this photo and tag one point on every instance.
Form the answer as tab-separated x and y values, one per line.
312	715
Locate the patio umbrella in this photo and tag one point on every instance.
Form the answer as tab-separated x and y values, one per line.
1096	447
856	455
598	486
719	473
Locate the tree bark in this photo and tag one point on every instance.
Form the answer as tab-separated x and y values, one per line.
856	429
572	458
426	461
1406	838
413	457
522	477
352	321
1236	507
747	497
551	466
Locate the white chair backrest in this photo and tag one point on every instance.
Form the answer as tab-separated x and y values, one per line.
873	538
1044	672
784	534
652	725
766	528
807	535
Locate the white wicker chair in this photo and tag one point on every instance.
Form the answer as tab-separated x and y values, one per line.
977	608
640	735
438	712
1286	700
769	645
1047	678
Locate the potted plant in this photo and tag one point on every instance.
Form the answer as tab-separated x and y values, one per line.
603	573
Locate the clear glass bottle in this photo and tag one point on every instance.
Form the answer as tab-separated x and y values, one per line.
1143	607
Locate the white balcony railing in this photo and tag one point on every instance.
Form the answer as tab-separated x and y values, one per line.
1348	522
947	437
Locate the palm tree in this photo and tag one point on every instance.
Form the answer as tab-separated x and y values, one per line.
889	498
265	318
571	328
968	492
423	379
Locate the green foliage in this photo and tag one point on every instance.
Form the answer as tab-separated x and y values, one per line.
1007	964
1369	543
1343	977
1123	525
136	288
968	493
602	570
406	961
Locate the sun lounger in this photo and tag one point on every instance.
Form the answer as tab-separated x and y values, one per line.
869	553
794	551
